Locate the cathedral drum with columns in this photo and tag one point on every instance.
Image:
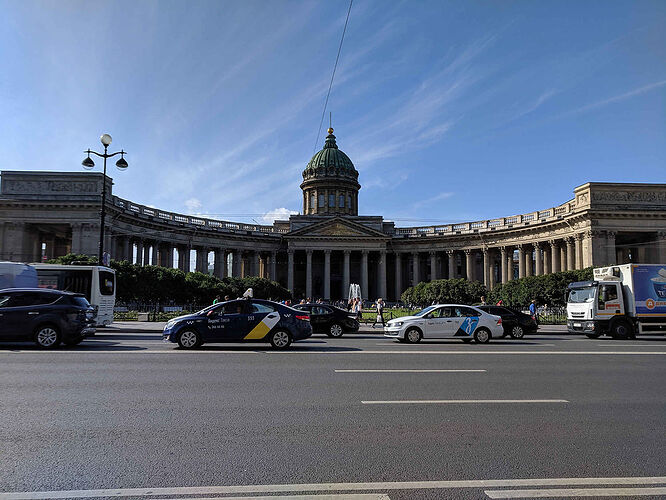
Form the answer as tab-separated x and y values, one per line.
329	246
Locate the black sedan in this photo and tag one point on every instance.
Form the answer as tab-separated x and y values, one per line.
242	320
330	320
515	323
44	316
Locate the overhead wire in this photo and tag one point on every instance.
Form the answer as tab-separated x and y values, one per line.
330	85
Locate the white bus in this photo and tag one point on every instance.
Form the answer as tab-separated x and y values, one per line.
97	283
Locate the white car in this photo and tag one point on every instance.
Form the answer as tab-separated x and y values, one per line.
446	321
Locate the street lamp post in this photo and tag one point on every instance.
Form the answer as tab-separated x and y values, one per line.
88	163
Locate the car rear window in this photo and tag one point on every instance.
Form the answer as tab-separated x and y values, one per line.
79	301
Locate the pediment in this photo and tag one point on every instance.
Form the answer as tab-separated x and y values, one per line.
337	228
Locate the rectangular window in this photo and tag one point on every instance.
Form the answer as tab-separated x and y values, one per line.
341	201
349	205
321	200
331	200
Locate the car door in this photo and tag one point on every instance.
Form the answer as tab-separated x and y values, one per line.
439	323
261	319
5	315
21	316
466	320
319	318
233	321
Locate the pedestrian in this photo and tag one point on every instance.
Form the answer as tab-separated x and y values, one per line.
217	299
533	311
499	302
483	300
227	298
380	313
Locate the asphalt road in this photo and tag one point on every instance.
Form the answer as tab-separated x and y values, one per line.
125	411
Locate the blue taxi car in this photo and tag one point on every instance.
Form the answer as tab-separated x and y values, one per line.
242	320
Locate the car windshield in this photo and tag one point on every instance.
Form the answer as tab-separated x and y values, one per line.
425	311
206	309
579	295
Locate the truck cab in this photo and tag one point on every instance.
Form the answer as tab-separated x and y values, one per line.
597	307
622	301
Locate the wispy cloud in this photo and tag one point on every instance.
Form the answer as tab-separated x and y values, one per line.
432	199
614	99
277	214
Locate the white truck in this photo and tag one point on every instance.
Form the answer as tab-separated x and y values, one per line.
621	301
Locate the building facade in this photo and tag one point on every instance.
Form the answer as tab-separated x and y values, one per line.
329	246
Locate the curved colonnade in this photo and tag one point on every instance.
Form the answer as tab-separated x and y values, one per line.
319	255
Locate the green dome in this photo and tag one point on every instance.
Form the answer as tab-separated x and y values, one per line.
330	162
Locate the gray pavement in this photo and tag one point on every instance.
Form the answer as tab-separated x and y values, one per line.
124	410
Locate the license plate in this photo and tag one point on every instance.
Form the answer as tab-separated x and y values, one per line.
578	325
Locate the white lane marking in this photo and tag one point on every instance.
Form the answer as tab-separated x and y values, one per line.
342	496
577	492
135	351
409	371
387	344
527	353
464	401
331	487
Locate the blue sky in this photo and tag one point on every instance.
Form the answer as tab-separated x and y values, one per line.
450	111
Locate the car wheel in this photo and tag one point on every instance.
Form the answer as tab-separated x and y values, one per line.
621	330
517	332
482	336
47	337
189	339
335	330
280	339
73	342
413	335
467	340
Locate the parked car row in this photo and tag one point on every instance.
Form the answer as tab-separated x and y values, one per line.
51	317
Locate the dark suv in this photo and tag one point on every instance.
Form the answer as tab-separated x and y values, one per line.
44	316
330	320
515	323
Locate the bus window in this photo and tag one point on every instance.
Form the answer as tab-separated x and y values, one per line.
106	284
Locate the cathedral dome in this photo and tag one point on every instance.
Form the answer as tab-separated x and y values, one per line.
330	182
330	162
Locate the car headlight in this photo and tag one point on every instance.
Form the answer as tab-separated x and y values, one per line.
169	324
397	323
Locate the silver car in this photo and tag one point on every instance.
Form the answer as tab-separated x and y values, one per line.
446	321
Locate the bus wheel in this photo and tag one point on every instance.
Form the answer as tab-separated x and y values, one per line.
620	329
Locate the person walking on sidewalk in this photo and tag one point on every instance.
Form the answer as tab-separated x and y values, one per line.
380	313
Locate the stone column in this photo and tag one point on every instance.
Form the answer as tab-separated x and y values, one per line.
273	266
308	274
545	250
236	264
255	263
554	256
504	265
398	275
469	265
433	265
382	274
529	261
146	253
571	265
327	274
187	259
486	267
364	274
509	264
538	258
452	263
76	237
415	269
612	255
521	261
578	244
290	271
127	248
155	253
563	255
139	252
218	266
661	246
346	273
